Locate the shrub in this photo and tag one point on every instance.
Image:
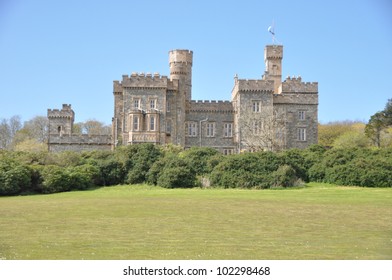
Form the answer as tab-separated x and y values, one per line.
285	177
55	179
175	173
14	178
83	176
198	157
137	160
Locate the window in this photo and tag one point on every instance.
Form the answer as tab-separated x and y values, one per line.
168	106
301	134
227	152
228	130
191	129
210	130
136	103
152	123
301	115
168	126
153	103
135	123
256	106
256	127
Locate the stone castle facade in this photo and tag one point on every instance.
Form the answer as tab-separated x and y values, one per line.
263	114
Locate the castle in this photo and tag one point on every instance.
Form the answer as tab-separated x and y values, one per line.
263	114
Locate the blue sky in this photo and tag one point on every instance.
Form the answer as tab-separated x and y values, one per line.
70	51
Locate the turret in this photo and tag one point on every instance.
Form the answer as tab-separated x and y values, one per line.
180	62
61	121
273	55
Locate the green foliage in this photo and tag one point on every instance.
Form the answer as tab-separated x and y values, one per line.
354	167
83	176
249	170
285	177
176	173
55	179
351	139
137	160
198	157
29	172
14	177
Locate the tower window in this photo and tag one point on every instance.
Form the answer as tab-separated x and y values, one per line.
301	134
136	103
256	106
153	103
301	115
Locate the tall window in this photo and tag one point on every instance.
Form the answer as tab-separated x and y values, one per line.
210	130
135	123
256	106
228	130
256	127
191	129
167	105
228	152
301	134
153	103
168	126
301	115
152	123
136	103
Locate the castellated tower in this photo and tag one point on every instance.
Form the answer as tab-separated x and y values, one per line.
61	121
180	62
273	55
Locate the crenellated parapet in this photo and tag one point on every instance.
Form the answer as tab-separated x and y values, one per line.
295	85
181	56
210	106
66	112
141	80
255	85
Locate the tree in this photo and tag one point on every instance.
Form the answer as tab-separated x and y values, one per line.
388	112
8	129
94	127
375	126
328	133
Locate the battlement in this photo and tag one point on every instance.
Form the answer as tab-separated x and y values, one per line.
295	85
273	52
255	85
220	106
65	112
181	56
146	80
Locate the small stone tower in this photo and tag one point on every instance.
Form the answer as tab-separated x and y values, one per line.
180	62
61	121
273	55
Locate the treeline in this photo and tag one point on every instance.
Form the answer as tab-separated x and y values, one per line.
173	167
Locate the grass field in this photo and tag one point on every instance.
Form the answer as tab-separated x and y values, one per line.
141	222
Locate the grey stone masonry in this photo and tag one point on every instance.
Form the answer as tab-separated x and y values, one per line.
263	114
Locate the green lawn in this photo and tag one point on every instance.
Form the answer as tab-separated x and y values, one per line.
142	222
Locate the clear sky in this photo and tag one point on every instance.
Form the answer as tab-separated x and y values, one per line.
70	51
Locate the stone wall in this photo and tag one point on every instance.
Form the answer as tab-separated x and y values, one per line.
216	113
78	142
